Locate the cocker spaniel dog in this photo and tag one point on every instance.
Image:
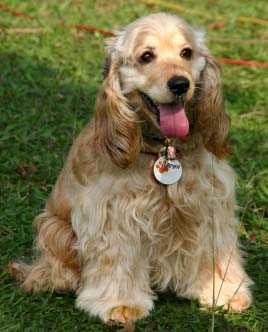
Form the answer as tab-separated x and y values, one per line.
145	201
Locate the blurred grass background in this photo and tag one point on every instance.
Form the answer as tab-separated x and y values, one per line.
48	84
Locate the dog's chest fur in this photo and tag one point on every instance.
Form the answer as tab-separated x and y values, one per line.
165	222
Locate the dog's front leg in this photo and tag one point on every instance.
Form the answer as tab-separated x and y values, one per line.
115	274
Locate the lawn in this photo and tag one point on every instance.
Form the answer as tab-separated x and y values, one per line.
49	79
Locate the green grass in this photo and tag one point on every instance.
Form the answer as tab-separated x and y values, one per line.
48	84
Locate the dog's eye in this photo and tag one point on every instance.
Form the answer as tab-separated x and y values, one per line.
147	57
186	53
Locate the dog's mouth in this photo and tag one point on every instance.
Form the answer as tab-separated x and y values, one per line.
171	117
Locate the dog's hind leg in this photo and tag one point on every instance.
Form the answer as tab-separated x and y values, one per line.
57	266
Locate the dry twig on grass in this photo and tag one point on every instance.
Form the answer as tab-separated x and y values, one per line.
238	41
21	31
88	28
249	114
13	11
180	9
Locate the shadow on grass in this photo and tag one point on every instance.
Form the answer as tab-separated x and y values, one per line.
42	111
177	315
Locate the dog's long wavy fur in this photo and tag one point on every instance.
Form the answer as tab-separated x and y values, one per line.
109	230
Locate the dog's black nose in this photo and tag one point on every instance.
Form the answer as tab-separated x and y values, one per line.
178	85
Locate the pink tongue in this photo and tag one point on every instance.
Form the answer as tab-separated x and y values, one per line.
173	120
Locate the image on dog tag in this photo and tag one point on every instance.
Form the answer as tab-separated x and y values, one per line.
167	171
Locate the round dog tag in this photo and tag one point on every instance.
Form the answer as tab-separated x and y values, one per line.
167	171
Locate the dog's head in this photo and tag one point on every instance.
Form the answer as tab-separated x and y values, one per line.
161	66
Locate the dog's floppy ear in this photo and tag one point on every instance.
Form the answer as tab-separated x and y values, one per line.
212	120
117	133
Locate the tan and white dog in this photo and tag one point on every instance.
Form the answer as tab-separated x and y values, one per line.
110	230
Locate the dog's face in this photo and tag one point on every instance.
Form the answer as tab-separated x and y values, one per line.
163	60
163	63
159	64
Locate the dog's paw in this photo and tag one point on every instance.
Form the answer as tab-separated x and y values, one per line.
239	302
236	302
123	314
